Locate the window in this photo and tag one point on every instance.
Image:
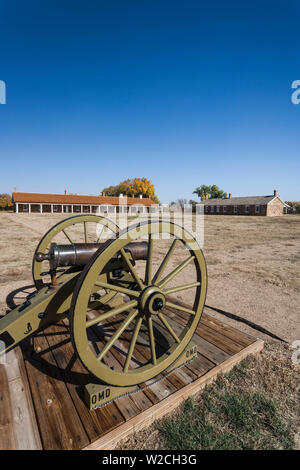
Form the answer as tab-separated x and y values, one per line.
103	209
55	208
224	208
257	209
211	209
110	209
25	207
206	208
218	209
247	209
235	209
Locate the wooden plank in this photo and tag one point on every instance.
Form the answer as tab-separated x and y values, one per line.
200	365
208	350
218	339
59	424
25	427
75	377
240	337
167	405
7	441
159	390
214	337
94	422
227	338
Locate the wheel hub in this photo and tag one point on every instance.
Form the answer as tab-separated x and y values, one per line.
151	301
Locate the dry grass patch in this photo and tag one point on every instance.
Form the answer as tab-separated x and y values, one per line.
254	406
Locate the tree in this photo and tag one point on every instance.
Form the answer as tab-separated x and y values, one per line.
5	202
212	191
133	187
294	206
181	203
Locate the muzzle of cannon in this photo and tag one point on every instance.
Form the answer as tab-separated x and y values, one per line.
115	295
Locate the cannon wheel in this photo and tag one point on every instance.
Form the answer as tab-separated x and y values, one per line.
144	305
61	227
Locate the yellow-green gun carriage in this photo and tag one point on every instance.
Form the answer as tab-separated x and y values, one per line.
115	294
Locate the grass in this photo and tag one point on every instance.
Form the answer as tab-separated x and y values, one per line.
252	407
234	420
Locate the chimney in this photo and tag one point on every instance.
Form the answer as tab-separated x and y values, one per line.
66	191
230	195
133	195
275	192
15	189
103	193
141	196
120	195
206	196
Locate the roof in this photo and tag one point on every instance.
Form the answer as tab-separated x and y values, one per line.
235	201
38	198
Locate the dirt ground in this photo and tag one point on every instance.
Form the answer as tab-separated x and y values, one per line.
253	267
253	276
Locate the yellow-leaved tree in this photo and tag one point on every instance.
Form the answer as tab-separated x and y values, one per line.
5	202
133	187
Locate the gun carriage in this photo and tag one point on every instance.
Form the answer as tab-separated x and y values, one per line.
116	292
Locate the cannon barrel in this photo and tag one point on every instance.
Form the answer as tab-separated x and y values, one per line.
78	254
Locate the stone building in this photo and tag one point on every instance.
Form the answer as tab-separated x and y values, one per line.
249	205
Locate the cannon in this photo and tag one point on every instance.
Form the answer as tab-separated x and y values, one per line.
115	294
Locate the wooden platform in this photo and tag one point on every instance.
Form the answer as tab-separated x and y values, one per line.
41	399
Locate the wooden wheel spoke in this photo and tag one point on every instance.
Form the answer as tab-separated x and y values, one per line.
176	271
183	287
85	232
117	334
180	307
132	344
68	237
164	263
121	290
99	237
131	269
169	328
148	274
111	313
152	340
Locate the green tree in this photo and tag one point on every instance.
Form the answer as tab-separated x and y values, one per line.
294	206
212	191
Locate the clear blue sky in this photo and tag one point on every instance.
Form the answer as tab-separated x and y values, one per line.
183	93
